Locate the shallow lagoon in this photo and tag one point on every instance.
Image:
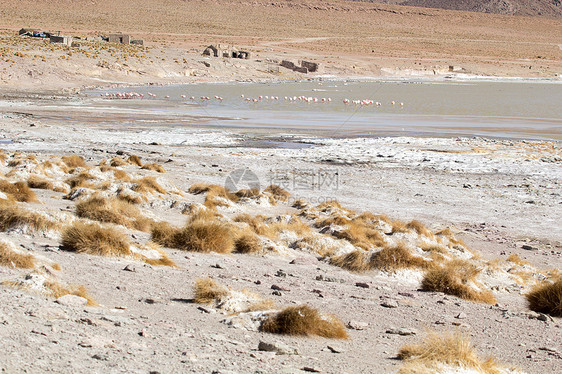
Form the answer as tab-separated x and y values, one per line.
435	108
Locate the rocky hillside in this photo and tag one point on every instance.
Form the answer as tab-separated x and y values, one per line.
547	8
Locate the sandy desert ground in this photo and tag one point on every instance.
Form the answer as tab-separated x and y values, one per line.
107	229
500	199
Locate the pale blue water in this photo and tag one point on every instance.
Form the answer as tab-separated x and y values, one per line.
511	109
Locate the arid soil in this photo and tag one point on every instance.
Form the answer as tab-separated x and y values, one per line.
346	38
501	198
393	236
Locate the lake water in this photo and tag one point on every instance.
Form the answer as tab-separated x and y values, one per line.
444	108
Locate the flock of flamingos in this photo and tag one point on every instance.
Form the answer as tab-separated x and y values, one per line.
307	99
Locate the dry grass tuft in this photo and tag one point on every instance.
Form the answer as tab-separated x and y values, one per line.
247	243
198	235
154	167
419	227
277	192
248	193
35	181
148	185
208	291
362	235
300	204
547	298
353	261
398	226
59	290
517	260
121	175
397	257
257	224
446	348
10	257
135	160
94	239
117	161
11	216
74	161
304	320
113	210
455	278
81	180
48	286
20	191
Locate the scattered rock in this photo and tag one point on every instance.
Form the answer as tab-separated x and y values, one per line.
130	268
304	261
362	285
389	303
461	315
206	310
335	349
72	300
401	331
528	247
279	288
311	369
279	348
357	325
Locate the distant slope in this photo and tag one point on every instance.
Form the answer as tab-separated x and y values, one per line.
546	8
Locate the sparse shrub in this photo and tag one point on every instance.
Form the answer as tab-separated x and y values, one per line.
397	257
208	290
154	167
444	348
517	260
94	239
113	211
247	243
18	190
118	161
418	227
80	180
361	235
10	257
353	261
11	216
59	290
198	235
74	161
121	175
256	224
248	193
148	185
547	298
135	160
35	181
457	278
277	193
304	320
398	226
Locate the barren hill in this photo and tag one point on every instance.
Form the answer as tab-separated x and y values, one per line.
548	8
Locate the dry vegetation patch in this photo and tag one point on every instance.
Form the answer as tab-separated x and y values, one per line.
198	235
304	320
94	239
12	216
20	191
443	353
154	167
457	278
113	210
10	257
547	298
74	161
